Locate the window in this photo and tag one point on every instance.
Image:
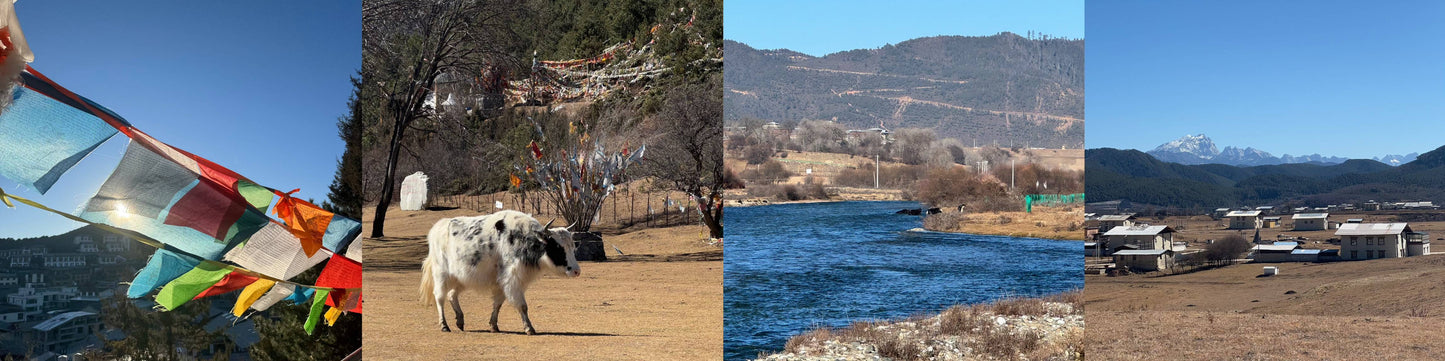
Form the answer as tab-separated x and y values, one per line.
1354	241
1354	254
1370	240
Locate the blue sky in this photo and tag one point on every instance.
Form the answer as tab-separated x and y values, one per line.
1355	79
824	27
254	86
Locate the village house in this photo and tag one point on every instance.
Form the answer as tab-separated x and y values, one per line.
1359	241
1310	221
1109	221
1244	219
1144	260
1265	210
1269	222
1277	252
1139	237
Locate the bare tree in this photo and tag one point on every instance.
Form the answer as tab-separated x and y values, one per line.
1227	250
913	145
686	149
406	46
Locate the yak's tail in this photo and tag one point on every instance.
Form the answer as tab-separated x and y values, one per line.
428	282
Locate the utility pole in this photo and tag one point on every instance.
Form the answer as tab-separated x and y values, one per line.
876	165
1010	174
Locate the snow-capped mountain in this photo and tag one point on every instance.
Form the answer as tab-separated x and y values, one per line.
1199	149
1190	149
1393	159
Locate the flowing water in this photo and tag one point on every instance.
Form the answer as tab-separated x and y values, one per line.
793	267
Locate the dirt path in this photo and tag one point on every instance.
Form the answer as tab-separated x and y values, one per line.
660	301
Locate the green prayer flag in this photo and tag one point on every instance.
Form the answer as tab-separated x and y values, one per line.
318	304
190	284
258	196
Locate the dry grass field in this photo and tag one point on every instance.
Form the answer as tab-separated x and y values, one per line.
1363	310
660	301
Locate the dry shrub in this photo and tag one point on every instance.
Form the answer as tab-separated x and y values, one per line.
1008	346
768	173
1015	306
960	320
900	176
788	192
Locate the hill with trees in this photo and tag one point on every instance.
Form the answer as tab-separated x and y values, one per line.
1114	174
1005	88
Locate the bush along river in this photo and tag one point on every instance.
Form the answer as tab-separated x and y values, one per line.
790	268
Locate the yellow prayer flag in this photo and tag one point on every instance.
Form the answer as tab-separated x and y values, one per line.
331	316
250	294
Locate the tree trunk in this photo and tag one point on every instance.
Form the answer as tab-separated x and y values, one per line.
378	222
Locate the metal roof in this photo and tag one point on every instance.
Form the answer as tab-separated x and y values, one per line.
1138	230
1310	216
1275	248
1116	217
1286	243
1372	229
1243	214
61	319
1142	252
1306	251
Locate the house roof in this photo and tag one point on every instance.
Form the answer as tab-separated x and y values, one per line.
1372	229
1090	244
1275	247
1116	217
1243	214
1143	252
61	319
1271	218
1286	243
1306	251
1310	216
1138	230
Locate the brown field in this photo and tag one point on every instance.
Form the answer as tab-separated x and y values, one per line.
1044	222
1378	309
660	301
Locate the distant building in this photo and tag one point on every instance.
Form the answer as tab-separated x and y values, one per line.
1277	252
1359	241
1244	219
1310	221
1140	237
1265	210
1269	222
1109	221
1144	260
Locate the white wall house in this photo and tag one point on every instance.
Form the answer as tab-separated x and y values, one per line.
1310	221
1360	241
1140	236
1244	219
1144	260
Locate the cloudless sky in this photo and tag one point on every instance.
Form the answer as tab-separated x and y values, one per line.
1354	79
256	86
823	27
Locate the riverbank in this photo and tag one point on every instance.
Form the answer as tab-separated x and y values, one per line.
1061	223
740	197
1048	328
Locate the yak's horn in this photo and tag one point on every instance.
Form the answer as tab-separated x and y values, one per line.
549	224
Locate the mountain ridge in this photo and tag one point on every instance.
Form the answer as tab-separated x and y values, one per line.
1200	149
1003	89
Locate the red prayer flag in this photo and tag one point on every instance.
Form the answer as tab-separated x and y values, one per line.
233	281
340	272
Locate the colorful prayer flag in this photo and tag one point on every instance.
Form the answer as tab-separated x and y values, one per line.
307	221
275	252
317	303
250	295
189	285
41	138
163	267
340	232
340	272
231	282
278	292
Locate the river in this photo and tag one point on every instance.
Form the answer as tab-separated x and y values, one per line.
792	267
